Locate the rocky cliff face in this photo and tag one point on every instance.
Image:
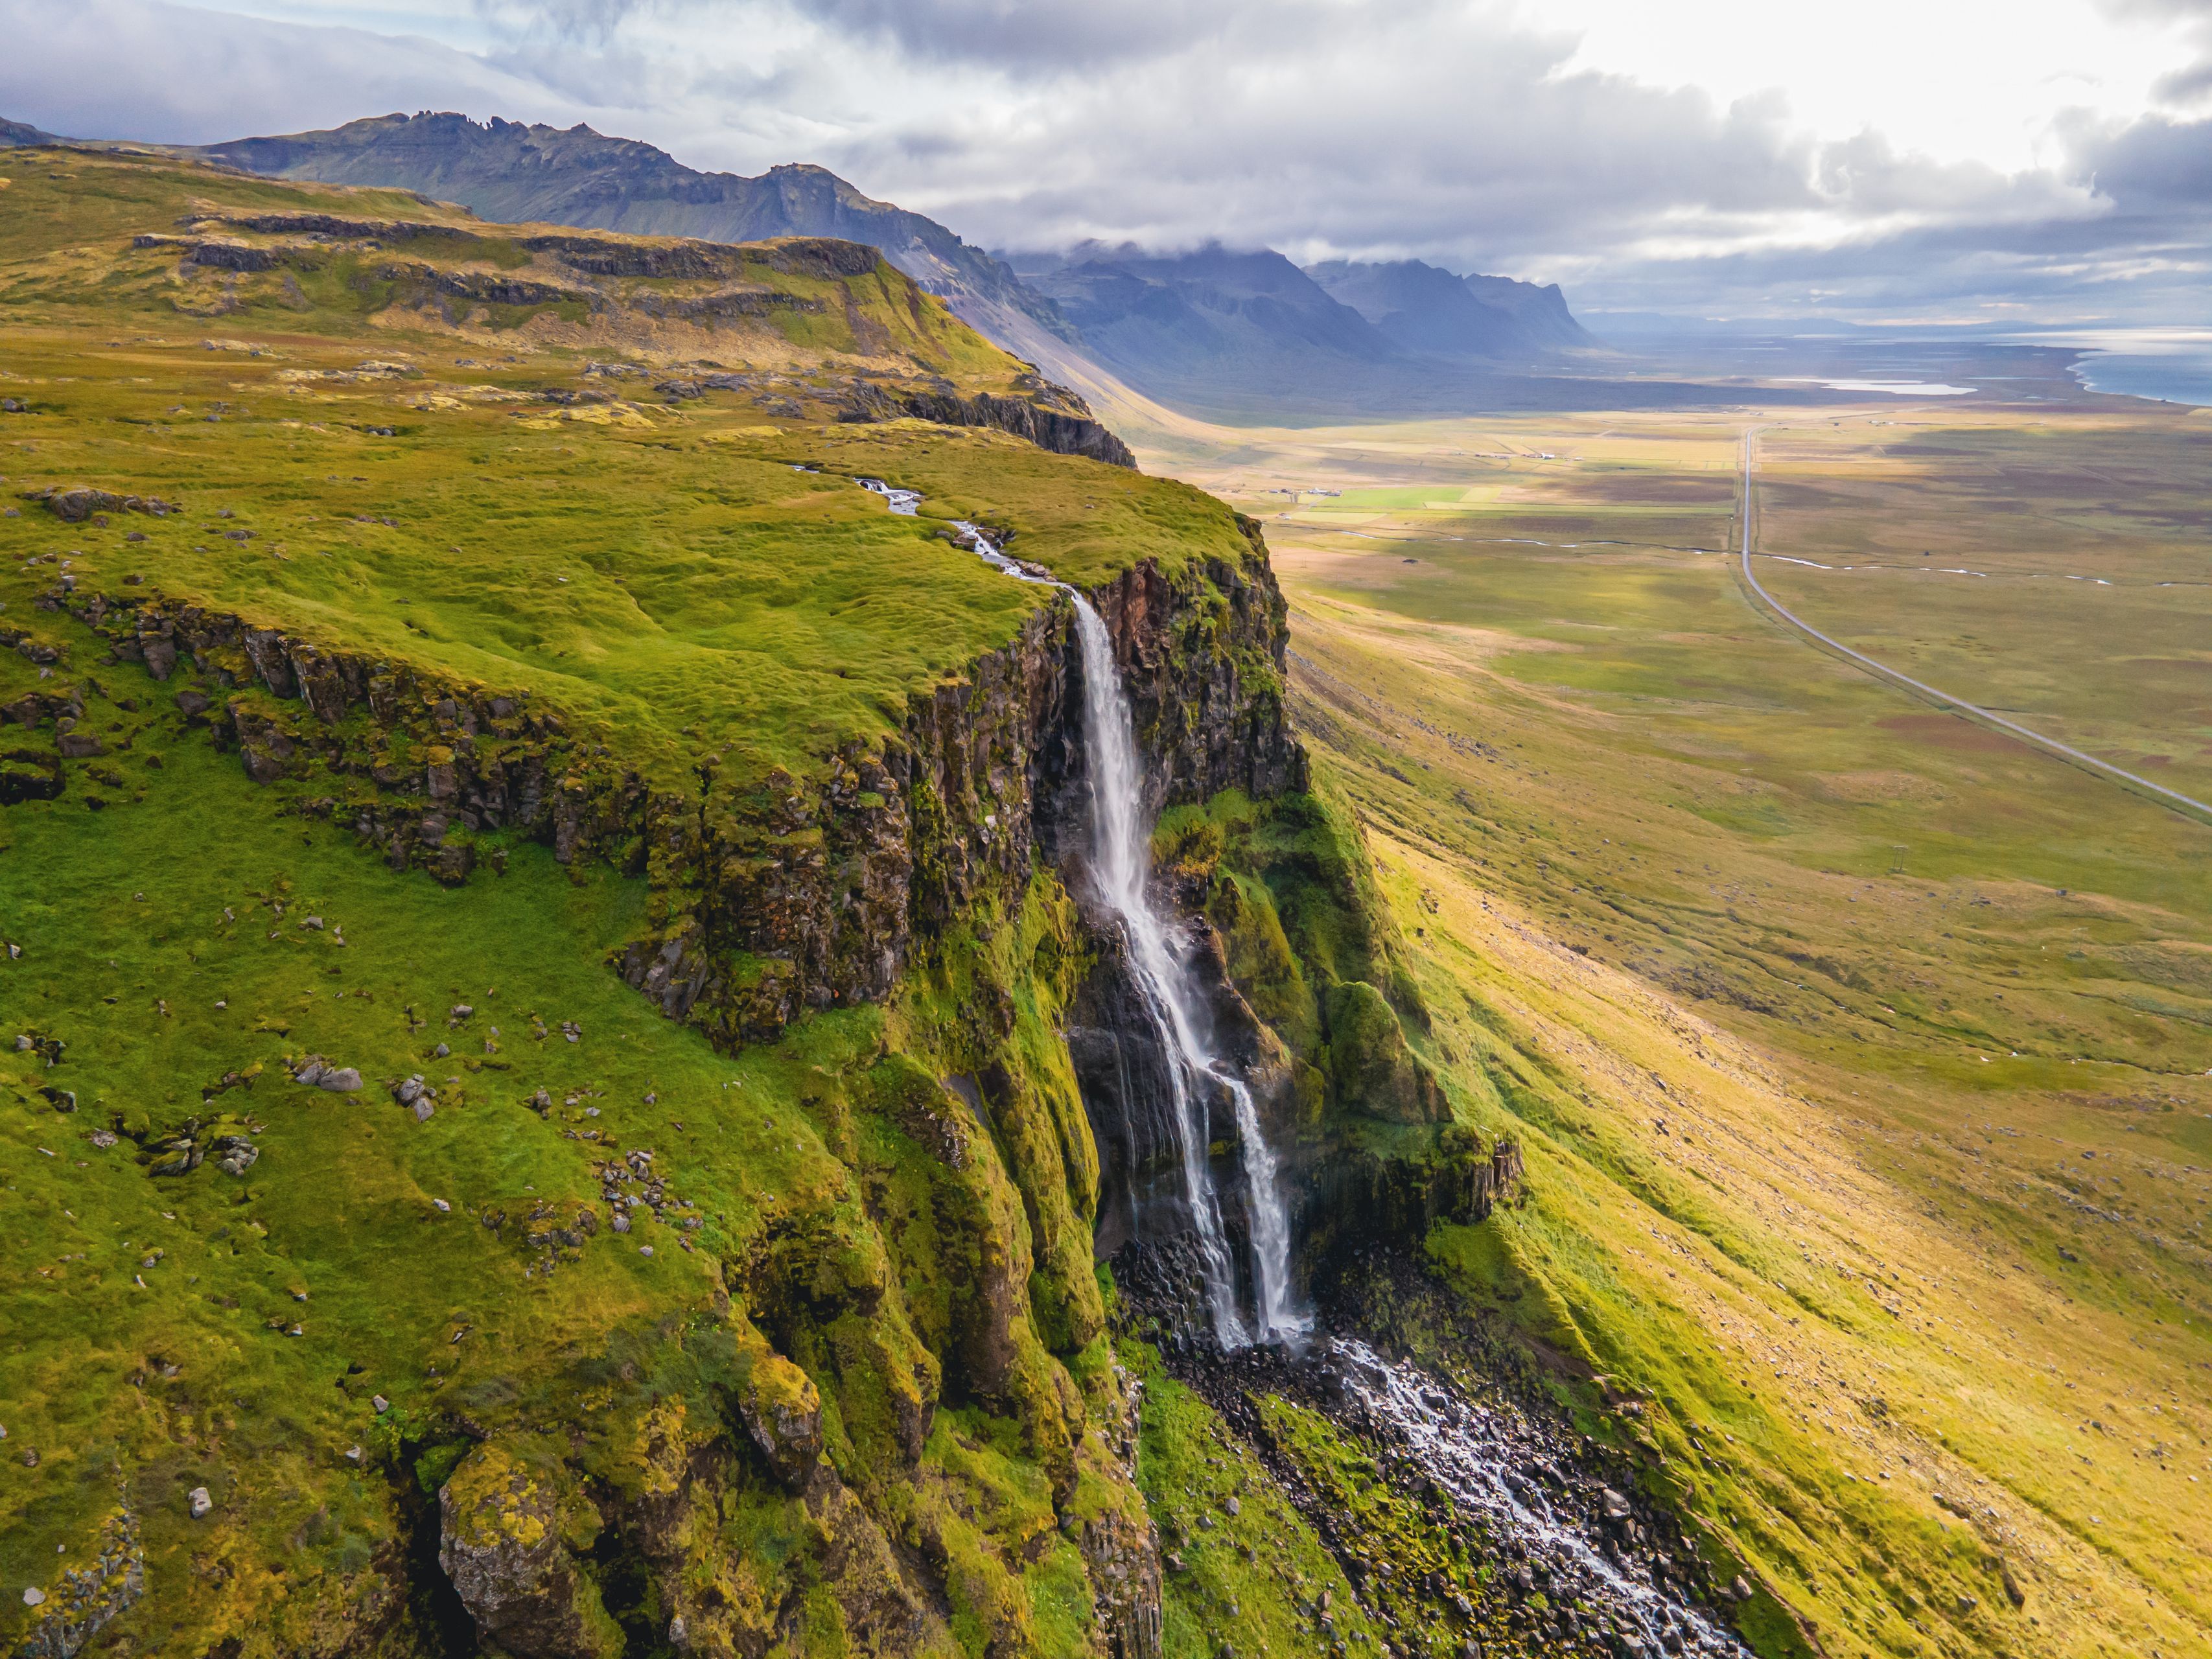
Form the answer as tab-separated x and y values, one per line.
785	893
999	1130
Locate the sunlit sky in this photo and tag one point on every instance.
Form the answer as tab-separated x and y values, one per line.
1978	80
1948	157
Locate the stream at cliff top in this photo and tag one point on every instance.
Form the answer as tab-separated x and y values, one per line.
1120	864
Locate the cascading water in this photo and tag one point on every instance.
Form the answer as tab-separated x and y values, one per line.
1486	1459
1120	864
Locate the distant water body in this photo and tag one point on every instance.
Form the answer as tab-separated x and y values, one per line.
2173	364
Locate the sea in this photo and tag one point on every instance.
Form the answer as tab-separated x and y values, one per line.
2171	364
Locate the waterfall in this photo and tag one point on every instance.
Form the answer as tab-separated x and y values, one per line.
1120	864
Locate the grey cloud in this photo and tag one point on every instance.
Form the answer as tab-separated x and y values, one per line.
142	70
1435	129
1053	35
587	21
2153	164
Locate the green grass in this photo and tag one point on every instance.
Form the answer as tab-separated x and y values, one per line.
839	1229
1867	1131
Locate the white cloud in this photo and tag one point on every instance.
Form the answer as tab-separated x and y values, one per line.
1727	155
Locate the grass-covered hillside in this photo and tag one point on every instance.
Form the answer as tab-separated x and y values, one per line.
1859	1054
394	645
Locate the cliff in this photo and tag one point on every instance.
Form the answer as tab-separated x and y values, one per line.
549	929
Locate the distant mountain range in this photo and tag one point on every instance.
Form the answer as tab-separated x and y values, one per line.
1212	330
1218	329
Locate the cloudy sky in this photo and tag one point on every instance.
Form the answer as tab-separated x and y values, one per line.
1975	159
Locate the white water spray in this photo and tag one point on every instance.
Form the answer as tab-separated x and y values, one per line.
1470	1451
1120	862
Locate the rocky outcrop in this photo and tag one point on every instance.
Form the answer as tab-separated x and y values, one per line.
784	893
1375	1072
501	1546
75	503
1063	431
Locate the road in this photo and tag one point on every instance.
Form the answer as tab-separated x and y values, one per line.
2168	798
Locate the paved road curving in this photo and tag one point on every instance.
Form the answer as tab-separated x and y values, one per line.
2052	746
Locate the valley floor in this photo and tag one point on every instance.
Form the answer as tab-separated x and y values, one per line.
1859	1053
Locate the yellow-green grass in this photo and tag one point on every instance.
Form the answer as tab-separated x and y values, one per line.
667	577
1807	1002
661	570
166	942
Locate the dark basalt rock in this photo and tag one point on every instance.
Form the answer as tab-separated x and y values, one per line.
1071	431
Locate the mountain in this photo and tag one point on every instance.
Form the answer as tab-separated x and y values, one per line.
1210	330
1239	335
15	135
508	171
1423	309
1208	314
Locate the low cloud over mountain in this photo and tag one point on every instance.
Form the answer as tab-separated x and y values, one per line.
1467	136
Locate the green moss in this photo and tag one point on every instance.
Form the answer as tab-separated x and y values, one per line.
1253	1580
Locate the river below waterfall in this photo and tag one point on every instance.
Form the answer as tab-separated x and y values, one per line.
1580	1566
1580	1563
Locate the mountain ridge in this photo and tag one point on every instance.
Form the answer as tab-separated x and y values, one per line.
1211	328
514	171
1421	308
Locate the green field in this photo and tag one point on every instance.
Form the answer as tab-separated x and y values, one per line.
1860	1058
1867	1049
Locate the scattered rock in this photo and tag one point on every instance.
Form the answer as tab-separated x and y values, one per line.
342	1079
235	1154
200	1503
33	1596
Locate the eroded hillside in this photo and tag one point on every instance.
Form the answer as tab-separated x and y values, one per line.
542	929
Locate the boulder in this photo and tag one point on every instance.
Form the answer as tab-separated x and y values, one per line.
501	1545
